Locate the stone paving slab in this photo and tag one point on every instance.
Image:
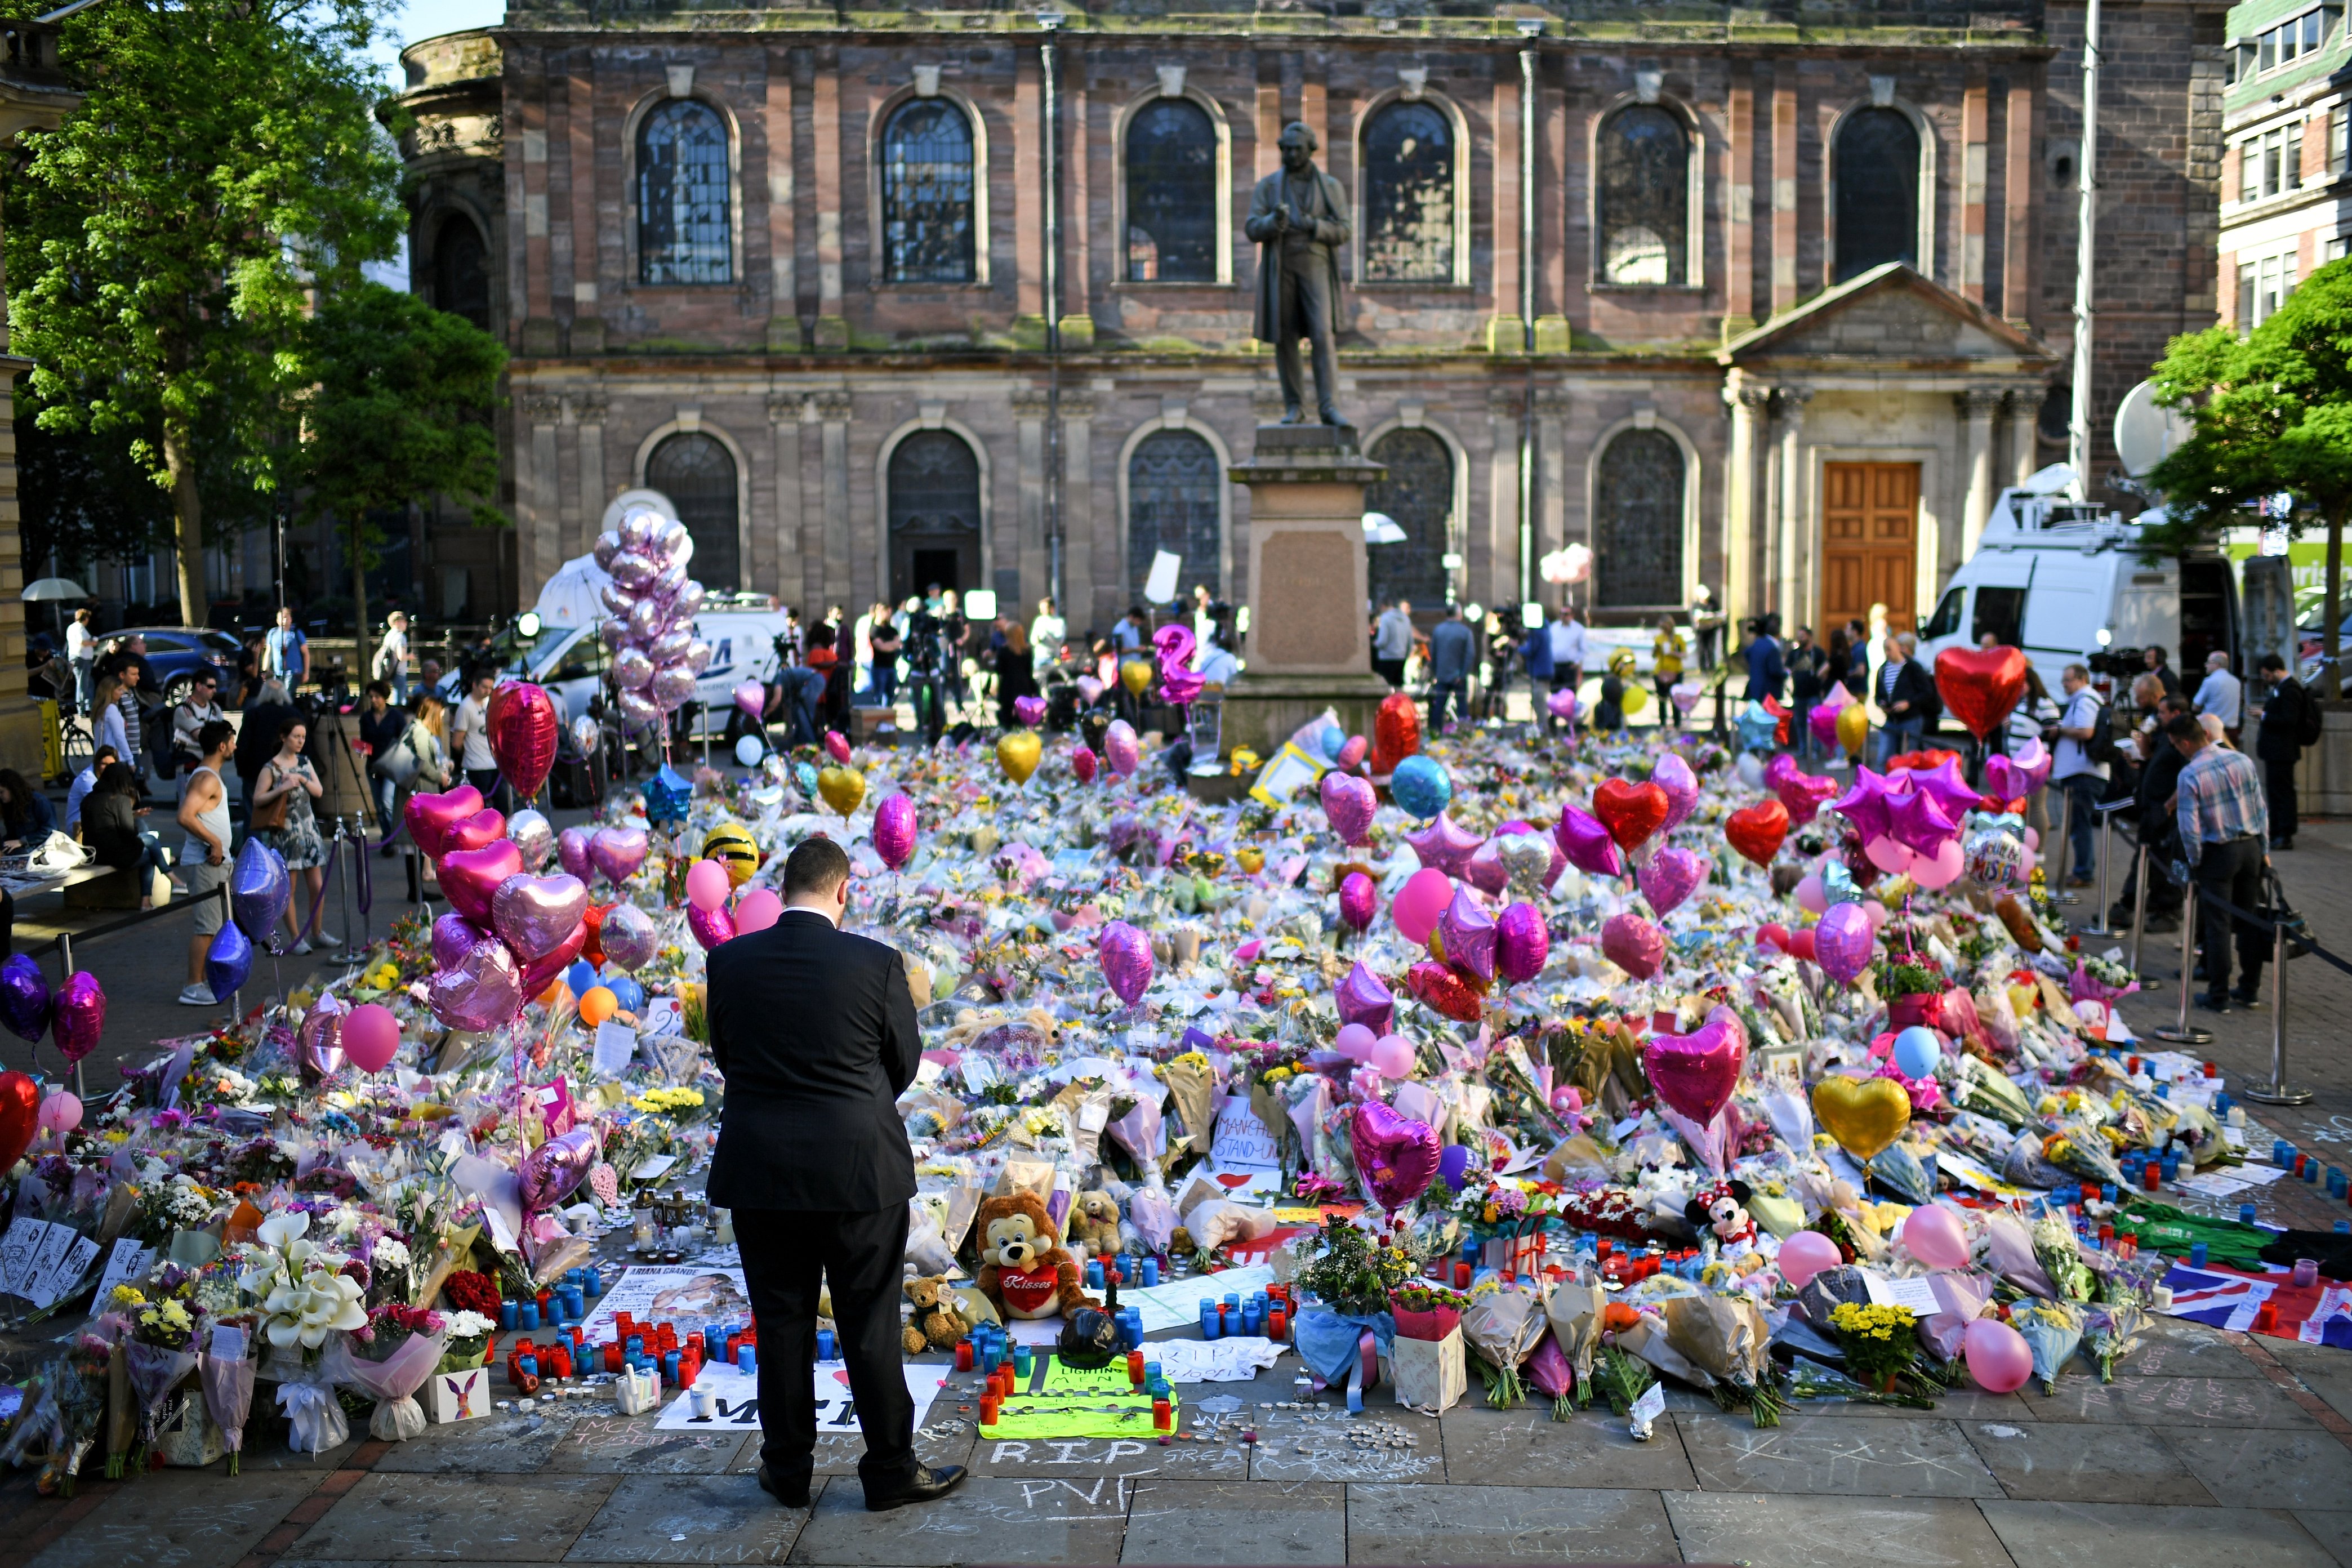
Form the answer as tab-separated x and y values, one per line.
1183	1522
1503	1449
1291	1449
457	1519
2098	1535
2266	1469
1429	1524
1855	1459
1834	1531
2170	1347
622	1444
688	1519
2060	1463
2332	1530
184	1519
2323	1369
838	1456
2167	1400
984	1520
497	1445
1128	1457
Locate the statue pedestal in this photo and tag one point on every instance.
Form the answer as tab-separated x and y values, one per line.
1308	647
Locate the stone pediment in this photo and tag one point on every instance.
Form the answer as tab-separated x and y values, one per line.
1889	314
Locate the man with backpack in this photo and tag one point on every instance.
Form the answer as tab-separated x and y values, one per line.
2291	721
2087	746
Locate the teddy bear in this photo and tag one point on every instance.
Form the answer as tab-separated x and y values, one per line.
1094	1225
1720	1208
1026	1271
938	1323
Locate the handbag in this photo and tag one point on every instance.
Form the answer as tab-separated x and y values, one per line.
270	815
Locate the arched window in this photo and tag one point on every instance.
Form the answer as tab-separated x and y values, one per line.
934	479
1417	493
1877	172
682	195
461	275
1409	194
697	473
1644	198
1171	194
1637	526
1171	504
929	226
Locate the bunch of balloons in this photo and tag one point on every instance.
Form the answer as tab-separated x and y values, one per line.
509	933
656	657
73	1015
1910	820
714	914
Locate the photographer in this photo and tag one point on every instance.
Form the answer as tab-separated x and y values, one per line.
931	656
798	697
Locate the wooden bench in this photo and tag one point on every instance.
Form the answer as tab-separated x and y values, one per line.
95	888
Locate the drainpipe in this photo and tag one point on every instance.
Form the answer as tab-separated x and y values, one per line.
2078	424
1530	29
1048	58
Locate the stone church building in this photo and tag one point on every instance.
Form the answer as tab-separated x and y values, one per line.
1770	299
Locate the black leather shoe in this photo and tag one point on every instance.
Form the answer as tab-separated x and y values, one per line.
928	1486
2212	1002
789	1495
2246	995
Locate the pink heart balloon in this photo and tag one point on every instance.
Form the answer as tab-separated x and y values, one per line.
1587	844
1467	934
1670	876
1360	900
1805	793
571	852
618	852
454	936
480	992
1823	720
1484	870
1090	690
522	726
1125	954
551	1173
470	878
1029	710
1348	804
78	1015
712	926
1444	846
541	972
894	830
1697	1072
485	827
534	914
1781	765
1842	942
1362	999
1121	749
1675	776
1633	944
1396	1158
319	1043
429	816
1522	943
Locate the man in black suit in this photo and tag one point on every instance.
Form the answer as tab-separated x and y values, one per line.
815	1030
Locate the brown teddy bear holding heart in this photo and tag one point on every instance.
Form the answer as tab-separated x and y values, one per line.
1027	1271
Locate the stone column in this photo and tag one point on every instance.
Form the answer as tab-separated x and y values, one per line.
1307	647
1738	590
589	408
833	410
2023	408
1976	410
1029	446
538	541
784	441
1796	540
1551	472
1502	563
1078	521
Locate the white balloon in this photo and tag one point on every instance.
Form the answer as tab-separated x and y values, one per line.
748	751
1751	770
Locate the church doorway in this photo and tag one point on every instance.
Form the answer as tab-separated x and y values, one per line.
1870	544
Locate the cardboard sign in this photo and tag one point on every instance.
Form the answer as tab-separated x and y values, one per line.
689	1297
735	1399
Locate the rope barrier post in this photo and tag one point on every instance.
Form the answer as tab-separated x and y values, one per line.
2066	850
2185	1033
2275	1089
236	997
65	973
2100	927
2139	904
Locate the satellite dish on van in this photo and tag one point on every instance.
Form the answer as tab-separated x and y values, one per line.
2055	479
2145	434
637	497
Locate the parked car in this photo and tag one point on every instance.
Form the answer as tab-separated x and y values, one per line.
174	655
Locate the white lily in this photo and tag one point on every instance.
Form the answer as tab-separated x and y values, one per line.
283	1229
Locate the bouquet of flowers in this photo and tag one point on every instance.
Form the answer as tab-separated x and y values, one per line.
1623	1378
1502	1326
2053	1331
404	1346
1354	1272
155	1358
304	1297
469	1338
2059	1253
2112	1331
1880	1342
470	1291
1809	1379
1426	1311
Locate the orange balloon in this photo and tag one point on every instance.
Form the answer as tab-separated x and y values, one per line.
554	994
598	1004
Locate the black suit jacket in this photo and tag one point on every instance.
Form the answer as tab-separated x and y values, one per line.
1912	684
815	1030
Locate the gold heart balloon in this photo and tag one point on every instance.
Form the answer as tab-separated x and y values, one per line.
1864	1114
842	788
1135	675
1252	860
1017	754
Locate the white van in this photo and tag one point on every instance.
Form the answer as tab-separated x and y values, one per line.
2066	581
573	663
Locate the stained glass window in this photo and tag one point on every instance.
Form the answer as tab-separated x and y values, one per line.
1878	172
682	195
1644	198
1171	504
1417	494
697	473
1637	525
930	219
1171	194
1408	196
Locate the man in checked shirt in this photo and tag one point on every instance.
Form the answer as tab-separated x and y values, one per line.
2224	835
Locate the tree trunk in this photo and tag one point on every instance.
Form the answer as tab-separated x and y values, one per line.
2331	636
359	674
188	519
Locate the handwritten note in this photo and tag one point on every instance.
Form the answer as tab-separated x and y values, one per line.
127	1264
736	1399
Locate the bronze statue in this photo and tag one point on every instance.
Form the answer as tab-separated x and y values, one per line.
1299	217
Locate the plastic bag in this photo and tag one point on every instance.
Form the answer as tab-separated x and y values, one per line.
319	1423
393	1382
1724	1336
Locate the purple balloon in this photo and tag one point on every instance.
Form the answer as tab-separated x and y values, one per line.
258	888
699	655
712	926
637	709
548	1173
1669	876
628	937
228	961
1914	821
1468	934
1587	844
1360	900
1675	776
607	547
1484	870
25	1000
1842	942
1453	1164
894	830
1125	954
79	1016
1521	944
571	852
687	600
618	852
1865	805
535	914
481	991
1445	845
646	618
454	936
1348	804
1362	999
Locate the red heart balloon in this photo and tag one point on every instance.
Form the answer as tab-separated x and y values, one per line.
480	831
1396	733
20	1115
1980	685
1756	831
522	735
1439	987
1632	811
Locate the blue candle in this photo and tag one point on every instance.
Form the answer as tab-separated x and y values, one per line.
527	1365
506	1317
2245	1213
669	1365
1094	1274
594	1280
1024	1360
824	1344
1151	1271
527	1315
747	1358
1211	1327
2197	1255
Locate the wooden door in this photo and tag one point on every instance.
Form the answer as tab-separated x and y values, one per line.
1870	541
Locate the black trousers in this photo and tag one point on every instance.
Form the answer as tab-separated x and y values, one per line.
2232	871
786	1253
2278	787
1304	303
1391	670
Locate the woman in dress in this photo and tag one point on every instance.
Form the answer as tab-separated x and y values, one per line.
284	819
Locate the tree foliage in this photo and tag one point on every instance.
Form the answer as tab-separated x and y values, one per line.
165	244
2272	415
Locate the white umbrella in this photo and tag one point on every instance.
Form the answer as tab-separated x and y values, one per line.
53	588
1382	529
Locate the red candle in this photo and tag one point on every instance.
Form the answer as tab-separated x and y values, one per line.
612	1362
1163	1418
963	1356
1135	1368
988	1405
1277	1325
1462	1277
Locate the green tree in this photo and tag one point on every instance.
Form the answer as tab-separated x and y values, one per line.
223	174
397	410
2273	416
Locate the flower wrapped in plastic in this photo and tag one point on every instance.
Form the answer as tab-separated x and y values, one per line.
392	1381
2056	1248
2112	1331
1726	1338
225	1372
2053	1331
1575	1311
1502	1326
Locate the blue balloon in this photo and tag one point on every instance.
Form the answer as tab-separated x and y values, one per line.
627	994
259	889
1420	787
804	775
668	794
1335	741
580	976
1758	728
228	961
1453	1164
1917	1052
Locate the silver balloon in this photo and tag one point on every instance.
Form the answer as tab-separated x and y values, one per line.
633	570
673	545
533	835
640	526
608	544
612	632
687	600
637	709
632	669
646	621
587	734
673	687
697	656
618	599
668	581
671	646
